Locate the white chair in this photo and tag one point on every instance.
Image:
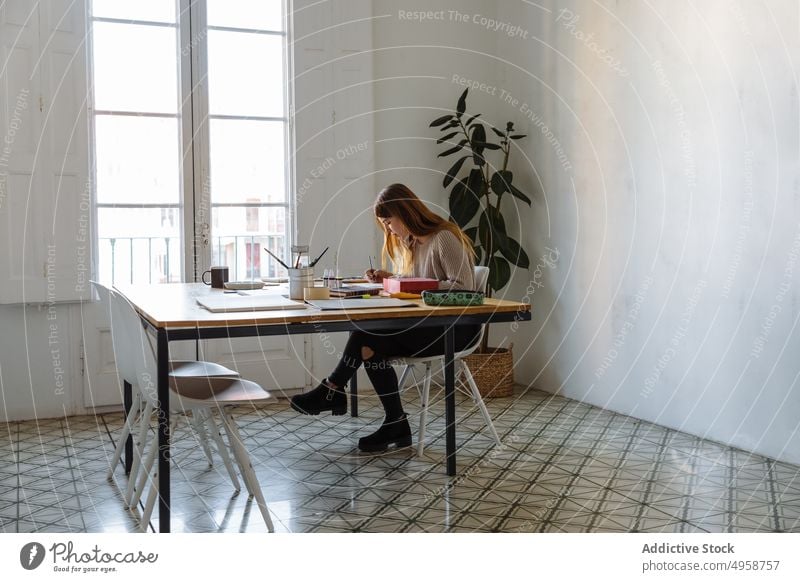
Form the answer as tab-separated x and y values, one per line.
140	413
189	396
461	368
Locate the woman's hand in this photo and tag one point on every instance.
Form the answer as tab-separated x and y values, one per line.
376	275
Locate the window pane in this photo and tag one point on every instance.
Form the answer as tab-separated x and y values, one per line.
253	14
135	68
139	245
138	159
240	235
247	161
254	89
152	10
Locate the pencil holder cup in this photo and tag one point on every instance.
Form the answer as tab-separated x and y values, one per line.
299	279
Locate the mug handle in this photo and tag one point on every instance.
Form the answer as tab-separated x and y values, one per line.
203	277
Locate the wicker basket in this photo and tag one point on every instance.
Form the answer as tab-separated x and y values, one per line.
493	372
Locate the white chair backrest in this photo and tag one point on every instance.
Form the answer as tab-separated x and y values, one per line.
133	352
125	369
481	278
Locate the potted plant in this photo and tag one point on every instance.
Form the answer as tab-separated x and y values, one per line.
475	205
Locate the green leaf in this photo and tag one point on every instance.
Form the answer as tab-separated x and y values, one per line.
478	256
499	273
491	231
509	126
445	138
498	225
440	120
501	181
451	151
473	118
515	254
490	146
450	125
475	182
463	203
517	193
462	103
451	173
498	132
518	136
479	134
478	141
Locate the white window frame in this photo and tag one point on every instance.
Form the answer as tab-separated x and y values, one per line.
195	206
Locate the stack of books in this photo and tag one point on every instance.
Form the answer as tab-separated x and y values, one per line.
356	290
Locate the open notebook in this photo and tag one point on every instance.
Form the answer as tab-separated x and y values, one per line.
235	302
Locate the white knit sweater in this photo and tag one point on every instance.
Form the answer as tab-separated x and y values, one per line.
442	257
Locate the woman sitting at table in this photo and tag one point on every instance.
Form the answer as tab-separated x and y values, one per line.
422	244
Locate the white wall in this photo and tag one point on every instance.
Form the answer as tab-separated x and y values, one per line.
416	59
674	205
335	149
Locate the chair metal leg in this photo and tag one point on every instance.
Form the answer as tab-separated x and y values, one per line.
476	395
403	376
222	448
150	503
198	424
423	417
246	467
149	473
127	428
138	452
147	468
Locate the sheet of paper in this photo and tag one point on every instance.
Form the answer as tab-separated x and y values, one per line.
376	303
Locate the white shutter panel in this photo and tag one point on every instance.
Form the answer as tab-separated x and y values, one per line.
45	208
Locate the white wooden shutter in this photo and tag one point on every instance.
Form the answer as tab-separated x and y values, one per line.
45	201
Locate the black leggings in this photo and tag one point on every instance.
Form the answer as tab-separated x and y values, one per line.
387	344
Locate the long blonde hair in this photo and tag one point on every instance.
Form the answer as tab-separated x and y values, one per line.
398	201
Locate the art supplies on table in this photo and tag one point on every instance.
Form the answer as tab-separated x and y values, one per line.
315	261
409	284
356	290
401	295
274	256
300	250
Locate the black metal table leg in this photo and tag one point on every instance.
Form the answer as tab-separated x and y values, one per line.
450	400
354	395
127	399
162	356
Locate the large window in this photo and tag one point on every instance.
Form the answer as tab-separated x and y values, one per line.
189	115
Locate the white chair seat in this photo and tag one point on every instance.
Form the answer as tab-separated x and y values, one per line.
461	368
184	368
212	391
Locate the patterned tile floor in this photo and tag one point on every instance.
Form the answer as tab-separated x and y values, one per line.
564	466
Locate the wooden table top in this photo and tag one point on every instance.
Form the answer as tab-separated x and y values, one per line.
174	306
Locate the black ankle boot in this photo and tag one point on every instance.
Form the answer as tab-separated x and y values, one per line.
320	399
392	432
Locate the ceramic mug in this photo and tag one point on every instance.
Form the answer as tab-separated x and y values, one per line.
219	276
